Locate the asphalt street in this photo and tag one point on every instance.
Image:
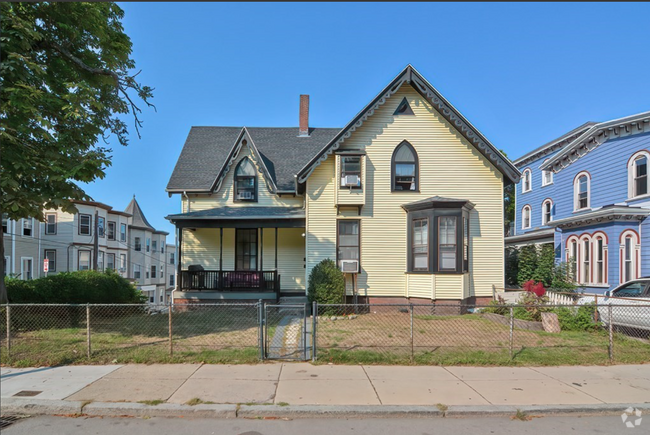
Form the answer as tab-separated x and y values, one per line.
609	425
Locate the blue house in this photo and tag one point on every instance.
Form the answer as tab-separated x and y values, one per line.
587	192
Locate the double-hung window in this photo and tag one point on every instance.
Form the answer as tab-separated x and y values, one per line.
420	244
122	262
122	232
5	223
50	255
581	187
404	168
154	246
148	244
110	261
85	223
349	247
83	260
111	230
28	227
136	271
101	223
245	181
137	245
351	171
153	271
50	224
447	245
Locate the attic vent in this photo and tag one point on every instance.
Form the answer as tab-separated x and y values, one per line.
404	108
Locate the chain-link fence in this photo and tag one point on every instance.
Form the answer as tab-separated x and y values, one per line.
382	334
484	334
64	334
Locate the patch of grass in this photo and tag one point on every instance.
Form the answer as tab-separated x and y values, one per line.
521	416
152	402
283	404
196	401
442	407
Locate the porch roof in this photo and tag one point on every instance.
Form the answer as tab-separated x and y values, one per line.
241	217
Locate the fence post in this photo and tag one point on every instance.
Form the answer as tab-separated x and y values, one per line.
611	333
171	333
512	330
88	329
8	329
260	320
412	354
314	312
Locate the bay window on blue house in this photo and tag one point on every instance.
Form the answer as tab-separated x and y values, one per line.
587	193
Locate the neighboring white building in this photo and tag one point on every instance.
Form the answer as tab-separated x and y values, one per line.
126	243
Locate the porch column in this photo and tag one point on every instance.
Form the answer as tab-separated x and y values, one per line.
179	280
262	249
276	249
220	249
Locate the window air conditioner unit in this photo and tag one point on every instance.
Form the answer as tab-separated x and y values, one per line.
245	195
350	266
352	180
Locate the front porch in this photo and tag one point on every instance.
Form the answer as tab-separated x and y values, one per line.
240	253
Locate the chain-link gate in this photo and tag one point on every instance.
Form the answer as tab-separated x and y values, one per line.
287	332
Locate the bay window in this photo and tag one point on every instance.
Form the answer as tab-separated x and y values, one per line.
438	236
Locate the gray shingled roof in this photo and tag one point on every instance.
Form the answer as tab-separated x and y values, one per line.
139	220
242	213
206	149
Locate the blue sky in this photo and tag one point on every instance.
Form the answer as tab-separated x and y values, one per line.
523	74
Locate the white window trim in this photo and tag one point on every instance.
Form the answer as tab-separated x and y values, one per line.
544	183
575	255
530	220
594	261
523	182
22	269
576	190
636	252
22	229
546	201
581	263
630	175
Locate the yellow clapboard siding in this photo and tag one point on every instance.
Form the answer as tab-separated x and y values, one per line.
420	285
448	286
449	166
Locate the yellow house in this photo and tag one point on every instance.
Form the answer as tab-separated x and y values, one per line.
407	198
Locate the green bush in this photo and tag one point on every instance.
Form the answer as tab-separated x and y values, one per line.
580	319
83	287
528	257
326	283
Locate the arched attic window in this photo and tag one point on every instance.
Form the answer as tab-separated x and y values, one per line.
547	176
245	181
405	171
637	168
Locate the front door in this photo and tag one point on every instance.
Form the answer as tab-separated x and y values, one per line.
246	249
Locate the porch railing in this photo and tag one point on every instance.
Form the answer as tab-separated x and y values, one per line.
230	280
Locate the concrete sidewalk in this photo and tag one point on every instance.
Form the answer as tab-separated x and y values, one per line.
297	384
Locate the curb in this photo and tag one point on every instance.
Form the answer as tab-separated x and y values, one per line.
108	409
20	406
12	405
336	411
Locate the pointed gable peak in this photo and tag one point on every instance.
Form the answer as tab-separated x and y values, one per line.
138	220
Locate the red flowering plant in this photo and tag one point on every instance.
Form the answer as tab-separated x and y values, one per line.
534	300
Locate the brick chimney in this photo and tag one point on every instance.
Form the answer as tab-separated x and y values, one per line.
303	129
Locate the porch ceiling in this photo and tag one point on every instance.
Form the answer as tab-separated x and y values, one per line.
241	217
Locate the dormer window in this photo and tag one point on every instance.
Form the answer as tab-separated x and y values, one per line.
351	171
581	191
527	181
638	174
245	181
405	168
